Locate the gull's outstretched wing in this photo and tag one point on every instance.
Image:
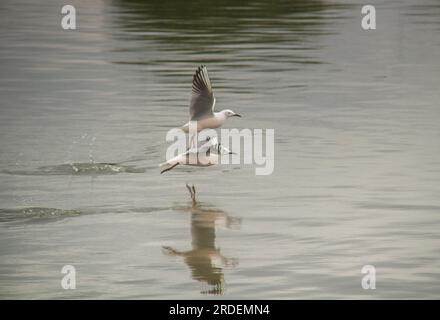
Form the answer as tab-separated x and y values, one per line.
202	97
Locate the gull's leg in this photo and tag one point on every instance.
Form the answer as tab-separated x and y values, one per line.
193	196
192	192
189	189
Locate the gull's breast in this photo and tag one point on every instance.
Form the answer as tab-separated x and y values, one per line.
209	123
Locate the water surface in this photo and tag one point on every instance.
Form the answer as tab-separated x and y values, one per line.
83	118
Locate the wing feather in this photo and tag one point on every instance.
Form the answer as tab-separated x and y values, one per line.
202	96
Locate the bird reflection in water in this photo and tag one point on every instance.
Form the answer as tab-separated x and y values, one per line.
205	259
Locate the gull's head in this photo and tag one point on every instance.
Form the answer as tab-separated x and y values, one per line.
225	151
222	150
229	113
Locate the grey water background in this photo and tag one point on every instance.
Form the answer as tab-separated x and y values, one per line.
83	119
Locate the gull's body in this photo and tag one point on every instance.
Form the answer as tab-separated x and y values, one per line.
217	120
206	154
202	104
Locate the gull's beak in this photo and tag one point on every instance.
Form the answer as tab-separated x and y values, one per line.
226	151
237	115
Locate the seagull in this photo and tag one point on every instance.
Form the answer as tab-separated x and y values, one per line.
201	107
206	154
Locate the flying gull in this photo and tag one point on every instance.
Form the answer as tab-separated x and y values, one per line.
207	153
201	107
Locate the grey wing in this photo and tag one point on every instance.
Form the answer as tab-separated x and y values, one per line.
202	97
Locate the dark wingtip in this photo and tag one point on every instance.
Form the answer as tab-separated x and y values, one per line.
168	169
198	71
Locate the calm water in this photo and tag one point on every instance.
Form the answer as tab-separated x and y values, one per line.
83	118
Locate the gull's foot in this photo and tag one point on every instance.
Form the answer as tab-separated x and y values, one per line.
192	192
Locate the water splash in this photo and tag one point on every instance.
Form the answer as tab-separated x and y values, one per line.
86	168
35	214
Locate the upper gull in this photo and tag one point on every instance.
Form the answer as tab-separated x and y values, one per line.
201	107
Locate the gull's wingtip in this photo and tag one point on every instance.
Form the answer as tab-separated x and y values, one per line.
169	168
201	67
